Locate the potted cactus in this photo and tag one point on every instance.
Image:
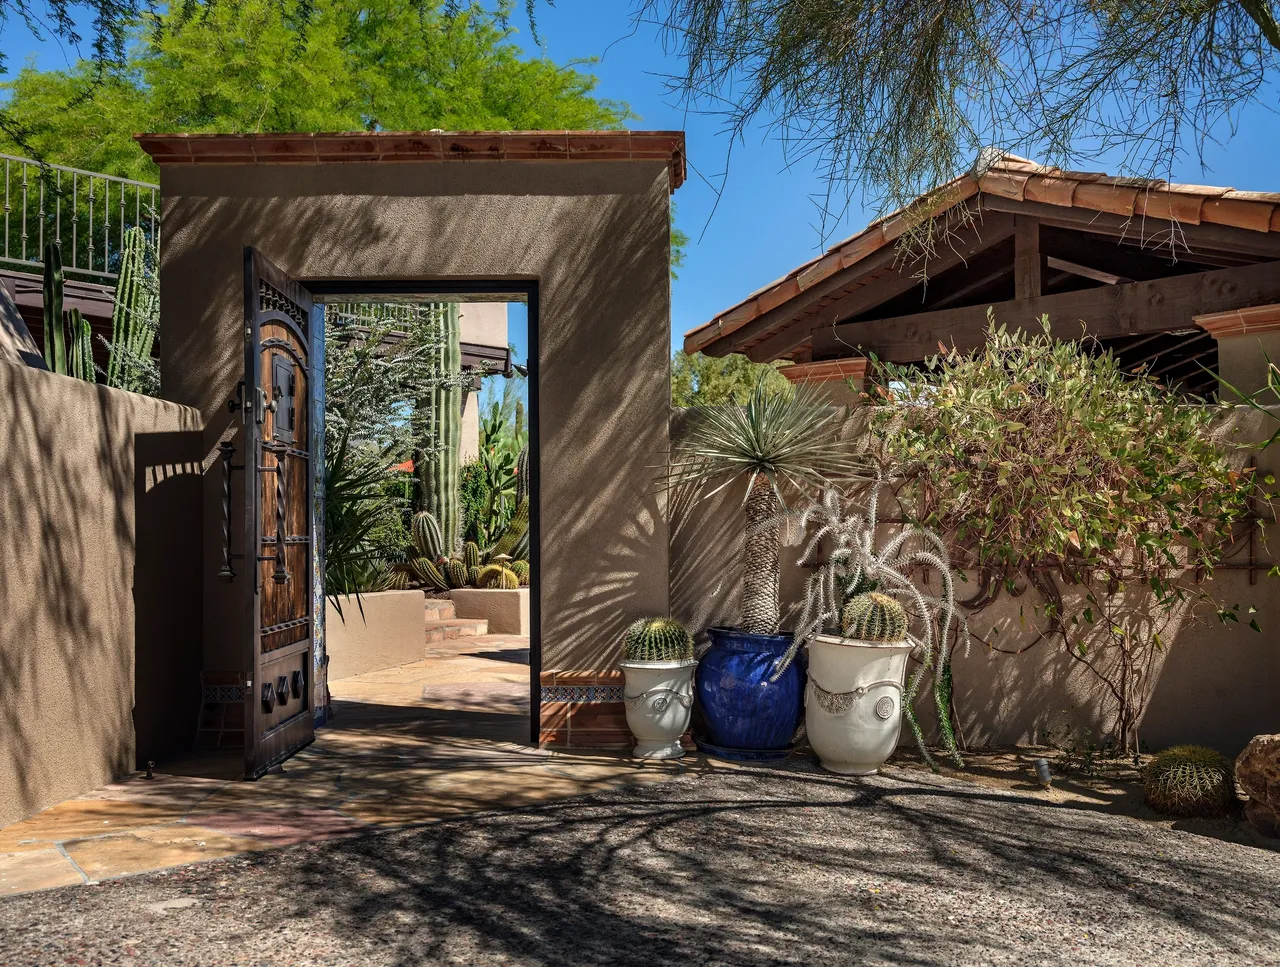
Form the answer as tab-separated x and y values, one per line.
658	662
777	448
853	702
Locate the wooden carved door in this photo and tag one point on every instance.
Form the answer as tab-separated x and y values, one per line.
277	513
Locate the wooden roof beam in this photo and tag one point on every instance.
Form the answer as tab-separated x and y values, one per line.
1075	268
1113	310
989	232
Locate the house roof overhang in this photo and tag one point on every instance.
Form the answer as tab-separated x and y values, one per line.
1149	213
408	146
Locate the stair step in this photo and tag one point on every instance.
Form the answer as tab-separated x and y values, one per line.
440	609
448	629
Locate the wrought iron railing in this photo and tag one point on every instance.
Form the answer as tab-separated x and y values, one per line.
85	213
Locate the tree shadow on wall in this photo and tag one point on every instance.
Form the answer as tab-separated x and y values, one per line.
69	555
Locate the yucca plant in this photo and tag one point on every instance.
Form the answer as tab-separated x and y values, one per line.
778	445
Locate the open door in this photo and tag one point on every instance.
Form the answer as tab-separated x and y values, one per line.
277	417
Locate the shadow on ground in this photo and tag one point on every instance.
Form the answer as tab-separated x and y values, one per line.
727	866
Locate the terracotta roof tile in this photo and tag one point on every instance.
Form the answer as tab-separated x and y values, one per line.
1023	180
398	146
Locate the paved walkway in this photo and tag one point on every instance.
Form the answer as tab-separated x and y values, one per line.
440	738
716	867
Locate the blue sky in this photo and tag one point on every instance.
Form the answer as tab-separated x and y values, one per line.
766	221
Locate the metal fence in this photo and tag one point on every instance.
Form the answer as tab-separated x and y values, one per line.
85	213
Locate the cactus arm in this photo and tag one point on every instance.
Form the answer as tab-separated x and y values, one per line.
55	346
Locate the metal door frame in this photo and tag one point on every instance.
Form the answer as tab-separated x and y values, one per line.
356	288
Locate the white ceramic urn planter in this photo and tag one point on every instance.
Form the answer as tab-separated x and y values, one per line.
853	701
659	700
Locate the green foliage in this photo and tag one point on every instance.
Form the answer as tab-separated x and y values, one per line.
1189	780
473	496
296	65
874	617
353	508
698	380
1098	490
657	639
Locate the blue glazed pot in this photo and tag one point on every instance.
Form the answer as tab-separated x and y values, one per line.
746	715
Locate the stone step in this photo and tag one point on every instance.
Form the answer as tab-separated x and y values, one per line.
447	630
440	609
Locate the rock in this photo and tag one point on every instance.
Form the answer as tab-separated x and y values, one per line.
1258	774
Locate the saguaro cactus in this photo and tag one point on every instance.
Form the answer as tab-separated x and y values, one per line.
438	466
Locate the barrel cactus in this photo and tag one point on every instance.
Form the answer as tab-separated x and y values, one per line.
1189	780
657	639
428	573
471	554
873	617
455	573
426	535
497	576
521	571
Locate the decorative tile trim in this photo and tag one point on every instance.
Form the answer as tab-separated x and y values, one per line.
582	693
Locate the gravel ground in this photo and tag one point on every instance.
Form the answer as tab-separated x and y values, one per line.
741	867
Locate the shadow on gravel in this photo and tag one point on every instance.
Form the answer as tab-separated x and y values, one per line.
799	868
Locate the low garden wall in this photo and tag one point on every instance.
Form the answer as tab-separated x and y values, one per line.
100	584
381	630
1215	684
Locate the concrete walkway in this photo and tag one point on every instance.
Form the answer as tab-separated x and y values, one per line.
717	867
439	738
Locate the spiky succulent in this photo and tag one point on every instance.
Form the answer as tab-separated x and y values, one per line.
471	554
1189	780
873	617
455	573
521	569
426	535
497	576
657	639
428	573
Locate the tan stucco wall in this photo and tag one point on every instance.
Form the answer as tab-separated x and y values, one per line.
380	630
505	610
1219	684
595	238
99	554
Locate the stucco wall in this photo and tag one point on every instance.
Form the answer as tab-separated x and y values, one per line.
99	553
380	630
595	238
1218	684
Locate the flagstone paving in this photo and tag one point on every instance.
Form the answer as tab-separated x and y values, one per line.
440	738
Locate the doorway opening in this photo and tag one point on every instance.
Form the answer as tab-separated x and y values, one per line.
436	382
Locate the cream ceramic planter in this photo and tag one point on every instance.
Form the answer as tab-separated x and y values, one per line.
659	700
853	702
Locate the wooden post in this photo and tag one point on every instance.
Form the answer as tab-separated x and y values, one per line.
1027	273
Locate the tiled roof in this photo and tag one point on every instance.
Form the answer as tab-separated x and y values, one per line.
394	146
1011	177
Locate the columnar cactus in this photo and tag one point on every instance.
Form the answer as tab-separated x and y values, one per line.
55	345
874	617
80	362
1189	780
133	316
657	639
426	535
471	554
522	475
438	469
517	529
